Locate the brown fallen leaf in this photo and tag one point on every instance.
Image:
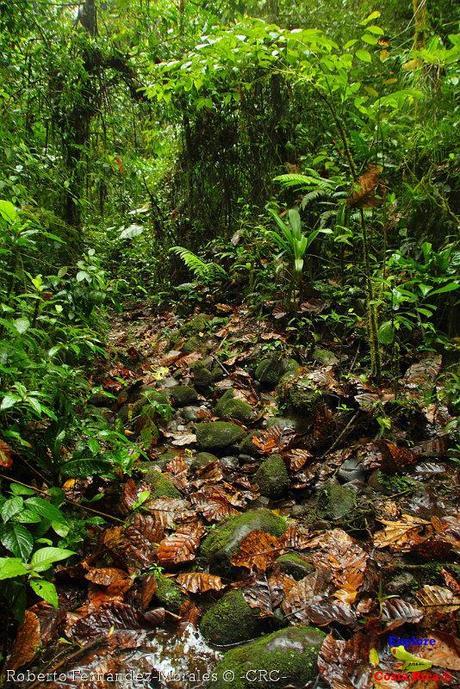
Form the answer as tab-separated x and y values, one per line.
438	600
445	652
396	612
200	582
148	589
116	580
364	191
401	535
27	642
180	546
345	664
257	551
6	455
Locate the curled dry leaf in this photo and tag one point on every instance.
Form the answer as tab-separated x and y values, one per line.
116	580
298	458
257	551
296	537
396	612
438	600
155	617
451	581
345	664
27	642
200	582
364	190
177	466
148	589
6	455
401	535
180	546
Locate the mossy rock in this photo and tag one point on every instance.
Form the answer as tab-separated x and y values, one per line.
205	374
336	501
168	593
218	435
295	565
300	394
197	324
272	477
247	446
181	395
223	541
270	370
230	620
287	656
161	485
192	344
230	407
202	460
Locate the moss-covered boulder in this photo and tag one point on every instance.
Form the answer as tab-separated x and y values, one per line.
181	395
300	394
336	501
161	485
223	541
218	435
202	460
287	656
168	593
205	374
272	477
270	370
192	344
197	324
230	407
295	565
230	620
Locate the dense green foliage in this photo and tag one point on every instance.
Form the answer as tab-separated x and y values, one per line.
174	153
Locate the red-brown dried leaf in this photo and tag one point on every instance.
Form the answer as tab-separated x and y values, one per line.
213	509
148	590
345	664
98	622
155	617
200	582
27	642
6	455
298	458
451	581
364	191
396	612
257	551
438	600
181	546
296	537
445	652
177	466
136	543
168	511
130	491
323	611
211	472
268	441
401	535
115	580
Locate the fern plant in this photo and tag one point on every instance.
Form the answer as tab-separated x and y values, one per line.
206	272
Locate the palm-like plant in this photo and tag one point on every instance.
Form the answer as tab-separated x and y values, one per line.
292	241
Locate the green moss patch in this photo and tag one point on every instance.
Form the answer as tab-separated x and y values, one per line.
218	435
230	620
272	477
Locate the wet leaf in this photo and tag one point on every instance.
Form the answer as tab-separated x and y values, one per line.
344	664
396	612
27	642
200	582
116	580
401	535
181	546
438	600
445	652
257	551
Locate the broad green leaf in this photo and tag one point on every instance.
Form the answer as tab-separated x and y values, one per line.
376	30
17	489
8	211
451	287
11	567
43	559
18	540
9	401
11	507
386	333
363	55
369	38
371	17
21	325
83	467
131	231
46	590
45	509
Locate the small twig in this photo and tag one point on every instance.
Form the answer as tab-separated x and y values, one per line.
342	434
73	656
71	502
227	373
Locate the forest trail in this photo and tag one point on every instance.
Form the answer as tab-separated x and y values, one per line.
265	498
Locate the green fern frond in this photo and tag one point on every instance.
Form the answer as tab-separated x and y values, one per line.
207	272
298	180
313	195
